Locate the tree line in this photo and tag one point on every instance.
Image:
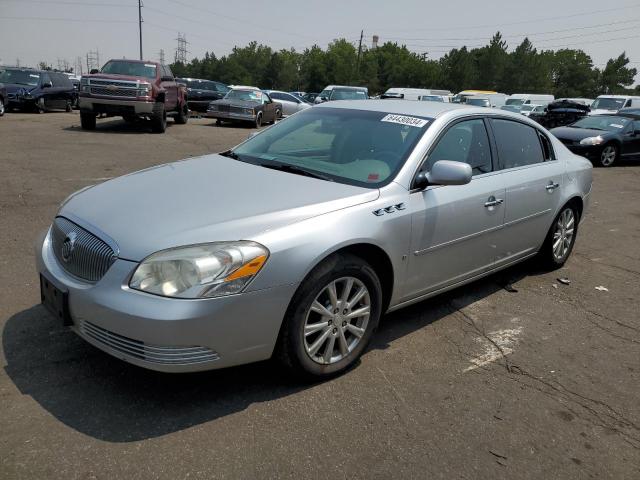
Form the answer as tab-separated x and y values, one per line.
564	73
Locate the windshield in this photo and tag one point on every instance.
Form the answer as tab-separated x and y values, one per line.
514	101
608	103
201	84
478	102
527	108
609	123
20	77
347	94
431	98
356	147
245	95
133	69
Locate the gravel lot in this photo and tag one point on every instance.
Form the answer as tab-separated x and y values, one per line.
480	383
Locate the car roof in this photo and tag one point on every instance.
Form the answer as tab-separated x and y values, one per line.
401	107
242	87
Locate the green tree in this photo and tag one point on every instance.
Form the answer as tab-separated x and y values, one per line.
573	75
459	71
491	62
616	75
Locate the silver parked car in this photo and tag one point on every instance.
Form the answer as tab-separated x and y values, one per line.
295	242
290	104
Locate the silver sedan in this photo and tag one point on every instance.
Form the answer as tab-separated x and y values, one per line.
290	104
294	243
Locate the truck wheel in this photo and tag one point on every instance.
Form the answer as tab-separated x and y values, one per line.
183	115
159	118
68	106
87	120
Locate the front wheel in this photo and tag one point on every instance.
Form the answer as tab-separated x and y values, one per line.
159	118
608	156
331	318
258	121
1	106
560	238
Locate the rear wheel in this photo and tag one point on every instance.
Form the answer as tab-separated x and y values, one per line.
1	106
258	121
87	120
560	238
183	114
608	156
331	318
158	118
69	106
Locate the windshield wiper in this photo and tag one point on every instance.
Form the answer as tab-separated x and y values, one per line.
231	154
284	167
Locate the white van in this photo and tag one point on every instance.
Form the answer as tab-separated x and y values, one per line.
413	93
613	103
495	100
519	99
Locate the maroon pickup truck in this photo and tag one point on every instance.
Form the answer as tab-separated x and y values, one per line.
132	89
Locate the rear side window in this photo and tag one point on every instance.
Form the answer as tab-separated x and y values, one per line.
466	142
518	144
277	96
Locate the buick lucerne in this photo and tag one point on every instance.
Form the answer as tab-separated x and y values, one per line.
294	243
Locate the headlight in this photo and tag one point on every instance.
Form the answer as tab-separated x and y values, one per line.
248	111
143	90
208	270
592	140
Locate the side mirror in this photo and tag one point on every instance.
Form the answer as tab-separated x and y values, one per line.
445	172
94	71
47	85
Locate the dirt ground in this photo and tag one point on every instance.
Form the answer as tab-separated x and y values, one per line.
538	383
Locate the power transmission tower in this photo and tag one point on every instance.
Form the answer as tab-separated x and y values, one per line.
161	55
140	25
181	51
93	60
359	53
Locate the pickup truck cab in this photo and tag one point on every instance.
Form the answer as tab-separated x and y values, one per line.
132	89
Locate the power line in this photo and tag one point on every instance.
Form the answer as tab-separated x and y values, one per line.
69	2
60	19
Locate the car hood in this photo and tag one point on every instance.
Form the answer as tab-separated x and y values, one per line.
16	87
237	103
602	111
570	133
204	199
106	76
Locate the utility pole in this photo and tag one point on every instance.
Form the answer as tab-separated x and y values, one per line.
161	56
359	53
140	25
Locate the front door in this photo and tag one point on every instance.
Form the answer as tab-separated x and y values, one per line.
631	140
455	228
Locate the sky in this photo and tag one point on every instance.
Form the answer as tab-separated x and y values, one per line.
58	31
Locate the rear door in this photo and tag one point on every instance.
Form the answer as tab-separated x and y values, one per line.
455	227
269	114
533	179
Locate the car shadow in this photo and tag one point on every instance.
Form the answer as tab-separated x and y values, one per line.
111	400
119	126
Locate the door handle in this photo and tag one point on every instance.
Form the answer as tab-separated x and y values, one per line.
493	201
552	186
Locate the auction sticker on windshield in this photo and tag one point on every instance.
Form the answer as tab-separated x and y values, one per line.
405	120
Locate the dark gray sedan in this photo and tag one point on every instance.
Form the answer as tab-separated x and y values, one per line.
247	105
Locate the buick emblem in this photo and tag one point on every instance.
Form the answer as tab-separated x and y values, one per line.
68	245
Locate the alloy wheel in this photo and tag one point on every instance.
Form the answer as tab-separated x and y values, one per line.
563	234
337	320
608	156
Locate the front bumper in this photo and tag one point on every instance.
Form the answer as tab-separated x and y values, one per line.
590	152
164	334
114	106
245	117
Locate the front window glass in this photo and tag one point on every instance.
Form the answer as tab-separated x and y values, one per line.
133	69
527	108
244	95
465	142
20	77
608	103
514	101
347	94
478	102
357	147
518	144
602	122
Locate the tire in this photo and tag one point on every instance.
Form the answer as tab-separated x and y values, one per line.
68	106
278	116
88	120
258	121
303	350
608	156
218	122
564	229
2	108
159	118
183	115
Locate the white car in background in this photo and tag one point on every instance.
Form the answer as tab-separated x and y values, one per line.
290	104
530	108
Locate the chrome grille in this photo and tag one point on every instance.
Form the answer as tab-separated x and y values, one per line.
116	83
167	355
118	92
79	252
